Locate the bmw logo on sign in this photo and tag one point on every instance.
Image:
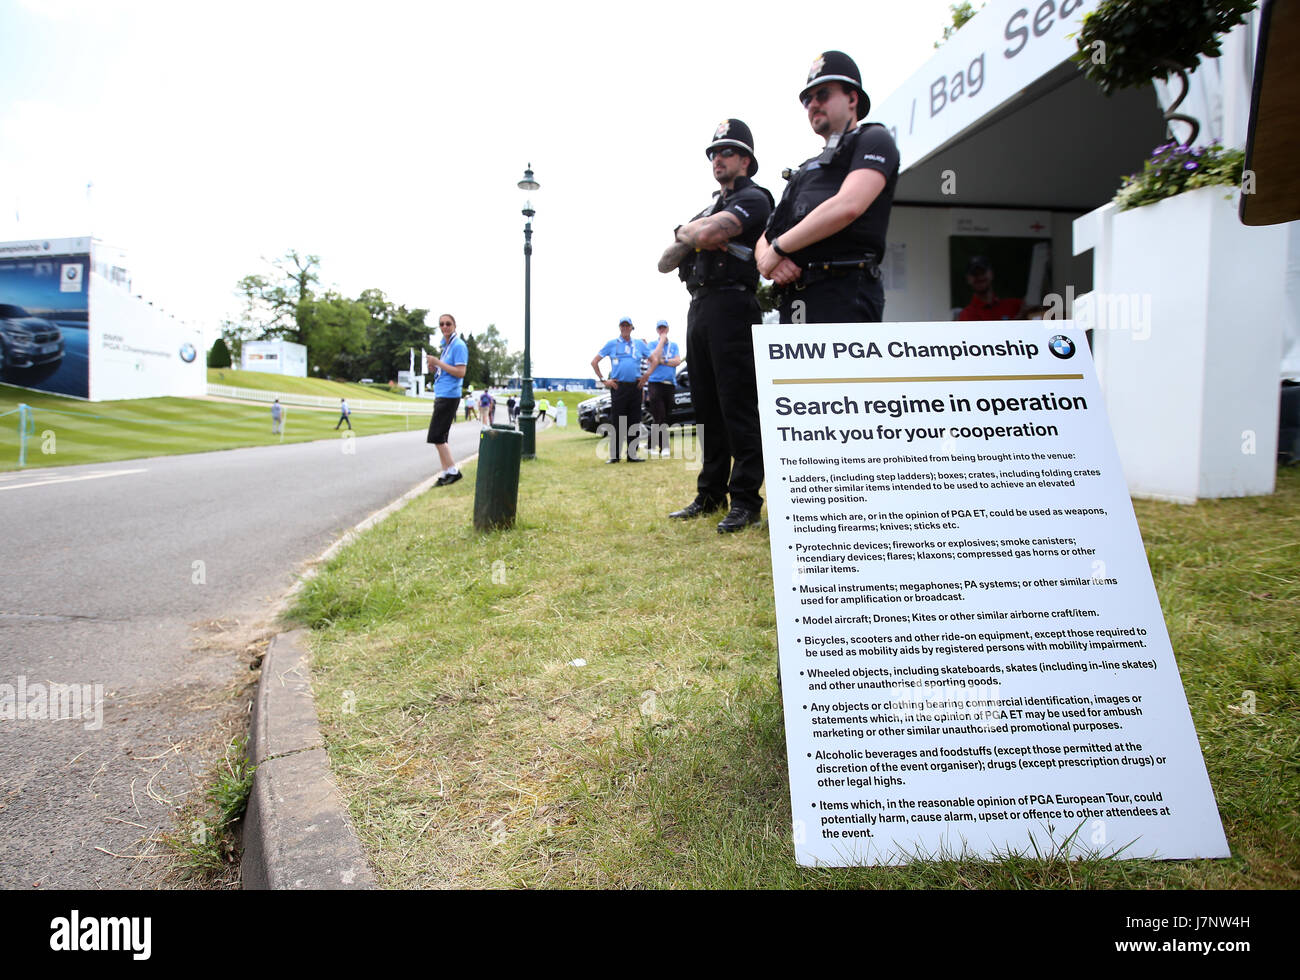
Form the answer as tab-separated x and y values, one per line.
188	353
1062	346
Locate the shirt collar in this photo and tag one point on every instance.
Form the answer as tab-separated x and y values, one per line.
740	184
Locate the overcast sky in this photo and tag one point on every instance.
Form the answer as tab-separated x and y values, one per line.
387	138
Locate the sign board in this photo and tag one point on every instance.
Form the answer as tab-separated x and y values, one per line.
973	656
999	53
44	313
274	357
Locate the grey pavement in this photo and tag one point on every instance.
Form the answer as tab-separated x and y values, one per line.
145	579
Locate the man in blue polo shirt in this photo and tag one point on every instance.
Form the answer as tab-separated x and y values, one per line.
451	366
662	388
625	382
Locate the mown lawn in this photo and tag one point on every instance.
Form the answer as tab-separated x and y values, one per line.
303	386
590	699
66	431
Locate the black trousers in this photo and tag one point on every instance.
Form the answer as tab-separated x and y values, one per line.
855	298
625	414
720	351
662	395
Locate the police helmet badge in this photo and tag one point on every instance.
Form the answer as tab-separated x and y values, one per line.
817	67
722	129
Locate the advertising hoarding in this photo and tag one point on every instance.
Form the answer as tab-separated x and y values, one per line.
274	357
44	316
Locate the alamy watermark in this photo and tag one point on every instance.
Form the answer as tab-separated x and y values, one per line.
53	702
1102	311
684	443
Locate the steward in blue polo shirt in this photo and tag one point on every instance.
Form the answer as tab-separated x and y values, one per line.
451	367
662	388
625	382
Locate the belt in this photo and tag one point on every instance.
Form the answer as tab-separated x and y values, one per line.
815	272
699	291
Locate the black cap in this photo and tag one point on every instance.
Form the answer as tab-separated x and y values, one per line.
733	132
836	66
978	263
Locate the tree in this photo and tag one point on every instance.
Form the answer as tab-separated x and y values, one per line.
407	330
961	13
393	331
334	331
498	362
219	356
1124	43
277	304
474	366
234	334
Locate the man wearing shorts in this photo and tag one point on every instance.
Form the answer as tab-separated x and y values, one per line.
450	365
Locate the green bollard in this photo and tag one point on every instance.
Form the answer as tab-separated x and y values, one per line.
496	489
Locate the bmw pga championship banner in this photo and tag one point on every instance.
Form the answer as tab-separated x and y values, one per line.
973	657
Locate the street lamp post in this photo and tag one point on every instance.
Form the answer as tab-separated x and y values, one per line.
527	420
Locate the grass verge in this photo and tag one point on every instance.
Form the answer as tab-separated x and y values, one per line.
67	431
590	699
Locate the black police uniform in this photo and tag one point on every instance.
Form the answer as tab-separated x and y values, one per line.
720	352
841	273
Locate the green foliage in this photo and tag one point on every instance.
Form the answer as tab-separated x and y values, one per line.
498	363
961	13
369	336
393	332
229	791
234	333
219	356
277	304
1173	169
207	849
1130	42
335	335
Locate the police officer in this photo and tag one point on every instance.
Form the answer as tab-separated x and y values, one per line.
713	255
625	381
825	239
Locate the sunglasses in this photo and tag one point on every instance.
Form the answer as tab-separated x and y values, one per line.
727	152
822	95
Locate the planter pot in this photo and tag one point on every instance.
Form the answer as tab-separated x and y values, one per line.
1187	313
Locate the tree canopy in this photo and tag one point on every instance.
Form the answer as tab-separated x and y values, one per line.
350	338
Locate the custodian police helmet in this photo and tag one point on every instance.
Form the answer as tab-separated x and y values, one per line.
733	132
836	66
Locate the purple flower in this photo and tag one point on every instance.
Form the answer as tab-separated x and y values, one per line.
1189	165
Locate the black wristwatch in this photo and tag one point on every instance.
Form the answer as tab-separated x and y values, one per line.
778	249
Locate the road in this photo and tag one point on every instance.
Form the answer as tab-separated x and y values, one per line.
146	581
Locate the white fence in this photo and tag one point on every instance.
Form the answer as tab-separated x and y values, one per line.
407	406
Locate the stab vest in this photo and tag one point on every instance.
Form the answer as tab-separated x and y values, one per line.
817	180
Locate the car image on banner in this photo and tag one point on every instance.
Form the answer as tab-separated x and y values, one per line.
27	341
44	324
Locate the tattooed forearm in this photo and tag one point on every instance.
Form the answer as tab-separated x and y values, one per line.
711	231
673	256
